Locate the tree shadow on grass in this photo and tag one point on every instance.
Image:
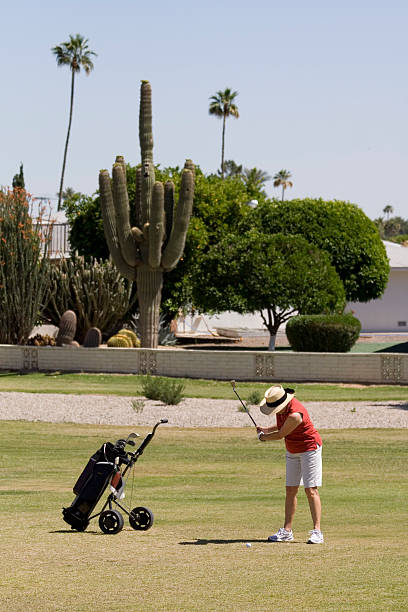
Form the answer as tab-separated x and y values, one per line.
400	347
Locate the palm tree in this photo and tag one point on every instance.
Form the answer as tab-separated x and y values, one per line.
256	176
75	54
388	210
231	168
281	179
222	106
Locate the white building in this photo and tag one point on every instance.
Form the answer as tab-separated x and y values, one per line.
390	312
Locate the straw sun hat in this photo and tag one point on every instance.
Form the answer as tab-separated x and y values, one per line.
276	399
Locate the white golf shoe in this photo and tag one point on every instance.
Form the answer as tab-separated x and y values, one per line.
281	536
316	537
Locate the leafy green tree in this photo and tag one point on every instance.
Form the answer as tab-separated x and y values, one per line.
18	179
219	205
274	275
86	234
281	179
75	54
222	105
343	230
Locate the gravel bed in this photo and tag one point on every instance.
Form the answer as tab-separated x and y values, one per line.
191	412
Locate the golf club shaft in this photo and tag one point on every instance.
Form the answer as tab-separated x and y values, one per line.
245	408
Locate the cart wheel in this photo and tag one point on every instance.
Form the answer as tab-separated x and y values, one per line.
141	518
111	521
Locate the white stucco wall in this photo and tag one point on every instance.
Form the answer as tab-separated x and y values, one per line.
387	313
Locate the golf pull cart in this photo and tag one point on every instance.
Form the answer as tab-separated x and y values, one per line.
103	469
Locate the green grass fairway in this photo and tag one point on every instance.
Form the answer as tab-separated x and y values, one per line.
131	385
211	490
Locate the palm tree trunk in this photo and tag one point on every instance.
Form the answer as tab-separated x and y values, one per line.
67	140
222	147
283	192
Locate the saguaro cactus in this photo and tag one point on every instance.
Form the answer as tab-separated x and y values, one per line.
156	243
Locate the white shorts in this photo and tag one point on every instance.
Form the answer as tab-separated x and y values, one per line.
304	468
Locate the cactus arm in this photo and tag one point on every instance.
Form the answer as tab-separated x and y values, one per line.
124	233
120	196
156	228
175	246
168	208
109	224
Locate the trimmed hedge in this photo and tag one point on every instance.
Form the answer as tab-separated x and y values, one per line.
323	333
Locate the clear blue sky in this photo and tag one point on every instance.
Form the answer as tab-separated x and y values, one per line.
322	91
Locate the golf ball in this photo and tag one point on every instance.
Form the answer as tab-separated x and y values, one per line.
248	544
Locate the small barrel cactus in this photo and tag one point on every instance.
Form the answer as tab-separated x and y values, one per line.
93	338
131	335
119	341
67	328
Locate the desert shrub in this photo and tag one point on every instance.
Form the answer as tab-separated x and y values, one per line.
172	392
254	398
323	333
152	386
23	266
162	389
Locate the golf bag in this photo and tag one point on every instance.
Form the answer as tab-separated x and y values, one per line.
102	470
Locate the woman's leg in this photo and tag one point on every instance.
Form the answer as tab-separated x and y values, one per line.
290	506
315	505
312	479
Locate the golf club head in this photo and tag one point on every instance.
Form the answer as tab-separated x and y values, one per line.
131	436
233	383
164	420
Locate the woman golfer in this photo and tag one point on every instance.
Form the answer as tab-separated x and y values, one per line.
303	457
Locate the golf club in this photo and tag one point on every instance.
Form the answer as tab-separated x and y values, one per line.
244	406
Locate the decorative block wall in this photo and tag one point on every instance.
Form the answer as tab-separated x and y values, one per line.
383	368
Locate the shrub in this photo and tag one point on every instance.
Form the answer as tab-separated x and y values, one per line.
23	266
152	386
323	333
159	388
138	405
172	392
254	398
